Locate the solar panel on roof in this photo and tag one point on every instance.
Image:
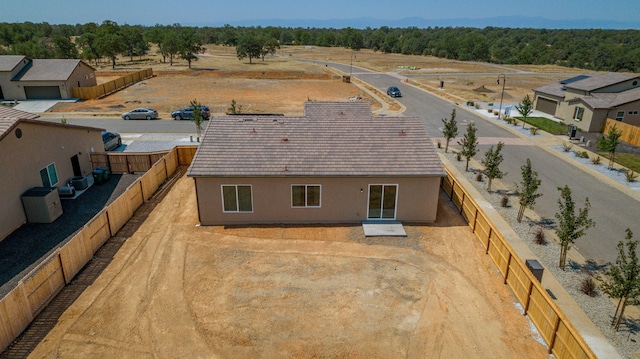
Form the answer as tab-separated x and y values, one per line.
574	79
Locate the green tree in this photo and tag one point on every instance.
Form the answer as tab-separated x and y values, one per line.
109	41
609	144
491	162
190	44
527	191
198	117
450	129
269	46
469	144
131	37
525	108
571	226
248	46
64	48
622	279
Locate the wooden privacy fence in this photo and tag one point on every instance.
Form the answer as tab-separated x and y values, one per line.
134	162
563	339
630	133
93	92
36	289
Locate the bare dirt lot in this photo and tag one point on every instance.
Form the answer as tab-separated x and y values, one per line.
281	84
177	290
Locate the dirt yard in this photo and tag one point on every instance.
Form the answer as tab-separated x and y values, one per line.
178	290
281	84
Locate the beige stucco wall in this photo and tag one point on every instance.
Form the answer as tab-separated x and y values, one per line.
343	200
21	160
83	75
11	90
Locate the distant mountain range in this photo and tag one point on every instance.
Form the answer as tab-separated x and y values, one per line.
500	21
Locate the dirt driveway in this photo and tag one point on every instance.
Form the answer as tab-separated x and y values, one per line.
178	290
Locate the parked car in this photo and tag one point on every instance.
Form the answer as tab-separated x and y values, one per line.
394	91
143	113
111	141
187	113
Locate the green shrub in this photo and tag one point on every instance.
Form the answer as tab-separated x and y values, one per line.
581	154
490	104
479	177
596	160
470	103
504	202
458	157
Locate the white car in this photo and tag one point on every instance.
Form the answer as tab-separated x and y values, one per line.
111	141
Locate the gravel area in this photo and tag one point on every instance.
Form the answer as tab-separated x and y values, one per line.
23	249
599	308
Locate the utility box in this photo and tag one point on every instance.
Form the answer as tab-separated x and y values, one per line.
42	204
572	131
536	268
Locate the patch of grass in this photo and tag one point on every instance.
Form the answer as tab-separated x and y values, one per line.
546	125
627	160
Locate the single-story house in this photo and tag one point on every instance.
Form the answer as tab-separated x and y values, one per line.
335	164
22	78
35	153
586	101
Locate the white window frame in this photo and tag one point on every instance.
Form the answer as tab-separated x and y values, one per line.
306	205
49	169
619	116
235	186
578	113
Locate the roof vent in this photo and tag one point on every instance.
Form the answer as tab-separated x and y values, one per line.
402	133
253	130
284	139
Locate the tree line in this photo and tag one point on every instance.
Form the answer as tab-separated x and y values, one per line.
591	49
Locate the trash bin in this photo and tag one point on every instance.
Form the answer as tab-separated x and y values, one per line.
105	172
572	131
98	176
536	268
346	79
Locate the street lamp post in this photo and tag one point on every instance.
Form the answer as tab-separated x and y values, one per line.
351	63
504	80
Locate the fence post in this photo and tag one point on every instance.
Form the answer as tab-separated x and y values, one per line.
506	272
554	335
526	305
489	240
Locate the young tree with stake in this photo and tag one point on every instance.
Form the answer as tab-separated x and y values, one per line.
450	129
198	117
528	189
570	226
492	161
525	108
469	144
610	144
622	279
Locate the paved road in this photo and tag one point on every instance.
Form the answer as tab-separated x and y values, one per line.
612	209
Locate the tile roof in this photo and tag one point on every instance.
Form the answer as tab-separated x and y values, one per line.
335	145
48	70
599	81
611	100
9	62
314	109
10	118
554	89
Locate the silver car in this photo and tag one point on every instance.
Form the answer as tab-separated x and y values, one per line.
143	113
111	140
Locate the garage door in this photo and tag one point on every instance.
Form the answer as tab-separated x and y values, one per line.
42	92
546	105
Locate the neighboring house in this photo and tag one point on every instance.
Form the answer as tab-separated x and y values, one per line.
336	164
22	78
586	101
36	153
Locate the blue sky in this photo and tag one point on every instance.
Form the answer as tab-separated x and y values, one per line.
216	12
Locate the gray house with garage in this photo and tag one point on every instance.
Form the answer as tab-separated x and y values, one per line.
586	101
336	164
22	78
